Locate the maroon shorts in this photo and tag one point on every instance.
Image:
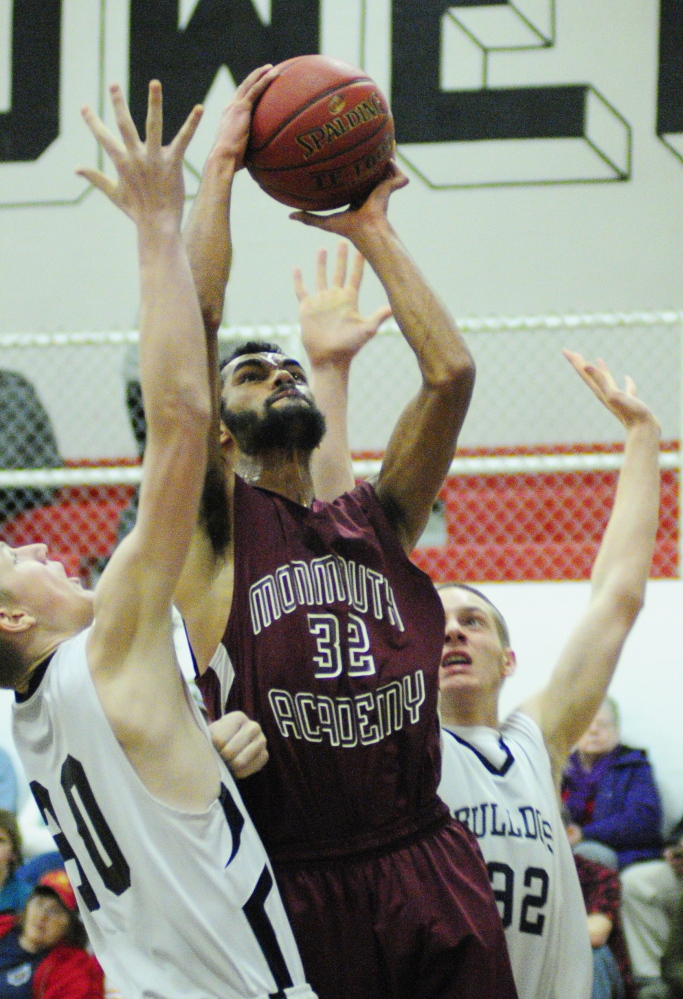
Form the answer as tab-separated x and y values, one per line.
416	922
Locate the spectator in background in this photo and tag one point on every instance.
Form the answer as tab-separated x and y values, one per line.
672	961
42	954
651	895
13	890
8	783
612	977
610	792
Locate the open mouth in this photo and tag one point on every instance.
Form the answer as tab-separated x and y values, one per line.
456	662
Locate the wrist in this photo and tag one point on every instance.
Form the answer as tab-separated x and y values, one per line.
374	239
221	166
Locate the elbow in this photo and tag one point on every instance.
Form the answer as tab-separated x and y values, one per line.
630	601
189	408
212	317
454	375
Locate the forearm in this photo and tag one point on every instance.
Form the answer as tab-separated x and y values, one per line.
207	237
331	465
427	325
625	555
173	360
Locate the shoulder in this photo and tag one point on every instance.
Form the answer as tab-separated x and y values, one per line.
627	756
522	728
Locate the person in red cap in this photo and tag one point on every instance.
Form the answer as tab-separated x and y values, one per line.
42	953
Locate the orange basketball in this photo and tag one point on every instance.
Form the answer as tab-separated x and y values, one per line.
321	135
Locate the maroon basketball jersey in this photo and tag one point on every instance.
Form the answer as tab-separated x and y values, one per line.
336	640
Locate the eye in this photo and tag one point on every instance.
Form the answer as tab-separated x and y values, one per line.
298	376
247	376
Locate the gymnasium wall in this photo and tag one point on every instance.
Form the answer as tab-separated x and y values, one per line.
544	144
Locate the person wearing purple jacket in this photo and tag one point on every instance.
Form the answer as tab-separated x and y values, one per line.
610	792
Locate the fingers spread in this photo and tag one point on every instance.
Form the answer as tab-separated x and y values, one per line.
321	271
187	130
106	139
153	126
340	269
299	288
357	271
99	180
129	132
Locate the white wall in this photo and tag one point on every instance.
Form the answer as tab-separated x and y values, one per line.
648	685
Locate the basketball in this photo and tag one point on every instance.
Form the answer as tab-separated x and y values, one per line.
321	134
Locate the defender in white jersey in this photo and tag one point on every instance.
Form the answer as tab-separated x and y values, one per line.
502	780
172	881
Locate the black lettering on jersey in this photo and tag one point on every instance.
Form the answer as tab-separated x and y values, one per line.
84	888
234	818
529	819
262	928
533	875
481	831
502	879
116	873
495	829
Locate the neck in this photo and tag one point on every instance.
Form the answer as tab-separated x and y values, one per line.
35	658
286	472
463	710
588	760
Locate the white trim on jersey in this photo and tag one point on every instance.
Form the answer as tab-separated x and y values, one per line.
499	783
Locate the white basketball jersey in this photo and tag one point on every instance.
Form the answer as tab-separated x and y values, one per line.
500	785
177	905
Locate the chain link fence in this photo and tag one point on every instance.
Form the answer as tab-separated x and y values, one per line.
529	492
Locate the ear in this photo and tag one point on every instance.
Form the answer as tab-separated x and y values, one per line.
509	662
224	435
15	620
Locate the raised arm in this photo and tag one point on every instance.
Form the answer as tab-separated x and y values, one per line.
207	230
580	679
333	331
133	597
424	440
209	249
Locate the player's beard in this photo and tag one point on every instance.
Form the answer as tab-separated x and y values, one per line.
293	426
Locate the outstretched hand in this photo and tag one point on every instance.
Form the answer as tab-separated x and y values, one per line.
233	129
332	328
623	403
357	219
149	185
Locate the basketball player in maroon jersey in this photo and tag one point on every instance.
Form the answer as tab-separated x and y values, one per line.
335	636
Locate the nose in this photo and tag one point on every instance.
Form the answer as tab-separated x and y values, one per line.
283	377
454	632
